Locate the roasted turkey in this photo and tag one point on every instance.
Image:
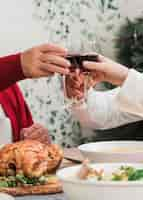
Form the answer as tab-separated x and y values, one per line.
30	157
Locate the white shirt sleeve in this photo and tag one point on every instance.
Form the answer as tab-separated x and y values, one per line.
102	111
130	96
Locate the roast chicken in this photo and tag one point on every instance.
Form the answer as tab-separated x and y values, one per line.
30	157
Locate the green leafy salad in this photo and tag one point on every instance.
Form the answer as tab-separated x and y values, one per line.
127	173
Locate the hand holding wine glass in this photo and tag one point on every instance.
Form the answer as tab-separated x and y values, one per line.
107	70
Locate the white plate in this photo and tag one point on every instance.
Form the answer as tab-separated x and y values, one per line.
4	196
104	190
114	151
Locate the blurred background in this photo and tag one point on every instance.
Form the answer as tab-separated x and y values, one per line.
111	26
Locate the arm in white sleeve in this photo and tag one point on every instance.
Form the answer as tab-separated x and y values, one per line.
102	111
130	96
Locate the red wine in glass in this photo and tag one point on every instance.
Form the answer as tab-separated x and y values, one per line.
77	60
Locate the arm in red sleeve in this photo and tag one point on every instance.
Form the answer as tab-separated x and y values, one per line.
10	70
16	109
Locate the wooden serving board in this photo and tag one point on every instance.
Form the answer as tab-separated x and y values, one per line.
51	188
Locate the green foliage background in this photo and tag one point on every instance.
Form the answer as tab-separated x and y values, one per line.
129	45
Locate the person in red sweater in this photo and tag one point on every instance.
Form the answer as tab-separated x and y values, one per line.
40	61
15	109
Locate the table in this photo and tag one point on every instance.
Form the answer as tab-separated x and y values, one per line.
44	197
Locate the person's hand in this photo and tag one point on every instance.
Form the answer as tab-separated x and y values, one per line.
44	60
75	84
107	70
36	132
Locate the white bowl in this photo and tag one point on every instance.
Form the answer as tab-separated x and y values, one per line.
4	196
100	190
115	151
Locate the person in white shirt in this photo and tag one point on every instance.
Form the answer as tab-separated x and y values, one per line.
109	109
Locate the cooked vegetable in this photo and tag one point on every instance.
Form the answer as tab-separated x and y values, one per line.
11	183
3	184
32	181
51	179
20	180
128	173
42	180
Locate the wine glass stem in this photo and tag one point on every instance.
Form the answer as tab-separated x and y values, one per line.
86	83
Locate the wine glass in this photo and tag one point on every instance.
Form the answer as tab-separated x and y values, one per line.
87	78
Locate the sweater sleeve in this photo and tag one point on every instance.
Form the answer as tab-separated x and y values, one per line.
10	70
130	96
101	111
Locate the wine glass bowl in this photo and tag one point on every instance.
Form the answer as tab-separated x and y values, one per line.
78	53
77	70
77	60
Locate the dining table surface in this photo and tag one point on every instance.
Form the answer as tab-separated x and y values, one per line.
72	157
61	196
